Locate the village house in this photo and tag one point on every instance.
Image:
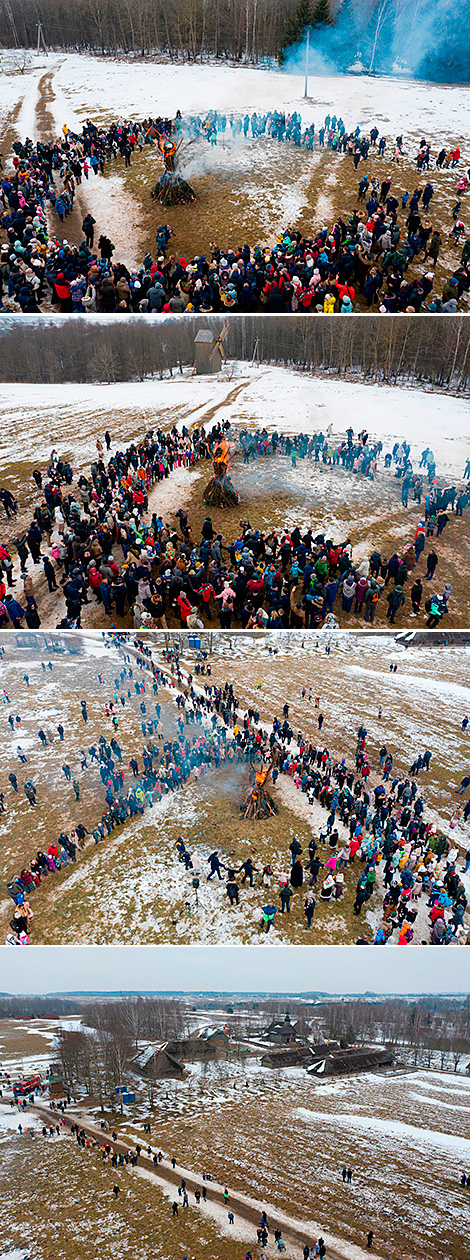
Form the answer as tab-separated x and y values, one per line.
207	1043
157	1062
283	1031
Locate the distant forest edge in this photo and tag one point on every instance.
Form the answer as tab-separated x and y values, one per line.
428	351
427	39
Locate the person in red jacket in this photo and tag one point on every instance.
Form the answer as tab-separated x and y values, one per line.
207	591
256	587
94	580
184	607
62	289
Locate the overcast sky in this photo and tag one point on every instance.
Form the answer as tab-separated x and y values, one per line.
333	969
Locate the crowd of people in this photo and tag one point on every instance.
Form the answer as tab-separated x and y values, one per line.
384	827
376	833
161	770
381	253
95	541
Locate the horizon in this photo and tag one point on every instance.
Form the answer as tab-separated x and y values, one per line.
297	995
243	969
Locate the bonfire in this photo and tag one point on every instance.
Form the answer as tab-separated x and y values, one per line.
171	189
258	803
220	492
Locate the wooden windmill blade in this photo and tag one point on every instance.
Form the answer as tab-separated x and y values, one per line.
218	345
222	339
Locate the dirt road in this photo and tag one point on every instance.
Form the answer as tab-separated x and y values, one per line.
246	1210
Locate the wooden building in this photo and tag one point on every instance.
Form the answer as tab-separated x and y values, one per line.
157	1062
208	1043
208	360
287	1056
355	1059
283	1031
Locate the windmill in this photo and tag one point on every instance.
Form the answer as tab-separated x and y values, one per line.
209	350
218	348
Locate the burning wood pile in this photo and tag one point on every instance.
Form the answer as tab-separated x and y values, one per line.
220	491
171	189
258	803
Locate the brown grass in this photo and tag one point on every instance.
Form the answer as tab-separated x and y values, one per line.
84	1218
232	208
243	1128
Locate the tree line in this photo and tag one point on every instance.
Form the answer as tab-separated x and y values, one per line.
178	30
36	1007
429	352
424	1033
150	1018
421	35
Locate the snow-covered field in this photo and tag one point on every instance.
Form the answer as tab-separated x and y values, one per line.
27	1046
420	703
85	86
284	1138
36	418
273	190
69	418
278	1139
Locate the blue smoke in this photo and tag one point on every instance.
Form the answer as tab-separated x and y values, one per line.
423	39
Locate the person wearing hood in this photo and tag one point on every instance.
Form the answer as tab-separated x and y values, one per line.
227	599
361	591
329	304
435	609
371	600
349	587
395	599
416	596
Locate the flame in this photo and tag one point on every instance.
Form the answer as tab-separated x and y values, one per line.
221	457
261	776
165	145
252	792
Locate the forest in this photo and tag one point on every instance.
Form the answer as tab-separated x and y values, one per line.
27	1007
433	353
418	37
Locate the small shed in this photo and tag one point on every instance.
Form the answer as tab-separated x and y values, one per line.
56	1086
208	359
